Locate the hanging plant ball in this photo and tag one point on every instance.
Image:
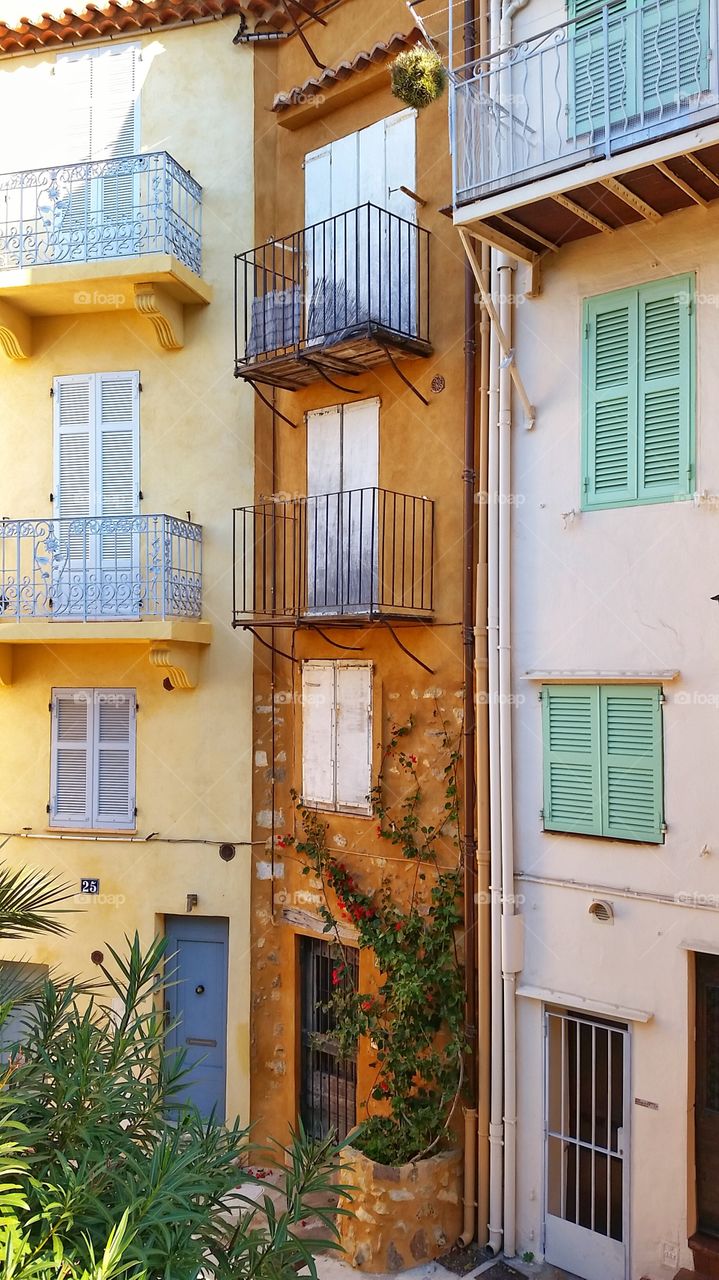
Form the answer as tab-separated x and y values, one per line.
418	77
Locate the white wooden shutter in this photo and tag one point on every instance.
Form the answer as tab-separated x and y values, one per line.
117	413
98	103
114	758
360	444
354	735
324	451
73	408
318	734
71	758
73	79
318	185
400	163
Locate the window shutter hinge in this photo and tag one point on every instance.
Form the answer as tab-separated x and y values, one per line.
586	484
139	387
663	828
47	808
49	706
661	696
690	307
137	706
541	815
540	694
52	497
52	392
140	496
135	811
586	329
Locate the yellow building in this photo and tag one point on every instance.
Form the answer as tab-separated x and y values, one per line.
127	174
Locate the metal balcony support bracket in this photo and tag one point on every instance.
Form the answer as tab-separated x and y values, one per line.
6	671
507	351
401	374
165	314
15	332
404	648
178	663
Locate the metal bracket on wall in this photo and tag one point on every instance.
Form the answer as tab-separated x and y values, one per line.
266	643
404	648
351	648
269	403
415	390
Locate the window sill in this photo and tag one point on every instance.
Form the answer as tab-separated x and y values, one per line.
92	832
597	835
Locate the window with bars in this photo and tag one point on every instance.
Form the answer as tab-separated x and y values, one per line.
638	410
93	759
603	767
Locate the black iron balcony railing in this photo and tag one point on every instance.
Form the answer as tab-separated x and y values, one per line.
362	275
88	568
366	552
101	209
618	76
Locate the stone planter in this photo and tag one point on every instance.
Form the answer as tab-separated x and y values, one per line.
400	1216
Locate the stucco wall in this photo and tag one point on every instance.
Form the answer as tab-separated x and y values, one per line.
420	453
196	437
618	590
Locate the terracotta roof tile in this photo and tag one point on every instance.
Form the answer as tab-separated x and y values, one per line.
123	17
379	52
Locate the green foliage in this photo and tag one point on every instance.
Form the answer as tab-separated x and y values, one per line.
415	1018
418	77
106	1175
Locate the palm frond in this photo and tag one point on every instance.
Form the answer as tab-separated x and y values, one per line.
30	902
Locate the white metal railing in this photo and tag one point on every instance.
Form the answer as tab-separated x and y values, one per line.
620	75
92	567
100	209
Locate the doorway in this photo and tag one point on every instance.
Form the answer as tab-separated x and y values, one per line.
707	1094
328	1082
586	1157
196	1004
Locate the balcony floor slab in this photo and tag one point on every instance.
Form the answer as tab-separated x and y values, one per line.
108	284
339	357
106	631
599	197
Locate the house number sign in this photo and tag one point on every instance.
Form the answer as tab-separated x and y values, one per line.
88	885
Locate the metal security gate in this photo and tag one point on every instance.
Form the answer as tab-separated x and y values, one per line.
328	1082
586	1151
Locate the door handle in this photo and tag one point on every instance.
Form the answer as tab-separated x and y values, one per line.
212	1044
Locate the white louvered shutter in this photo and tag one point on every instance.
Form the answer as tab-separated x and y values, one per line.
354	735
117	399
71	758
114	758
318	734
73	80
73	481
324	483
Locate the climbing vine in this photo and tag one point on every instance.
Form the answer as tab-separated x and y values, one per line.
413	1016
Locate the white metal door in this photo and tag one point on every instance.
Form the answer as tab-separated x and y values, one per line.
586	1145
342	507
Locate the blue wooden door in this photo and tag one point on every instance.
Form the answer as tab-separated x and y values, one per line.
197	1006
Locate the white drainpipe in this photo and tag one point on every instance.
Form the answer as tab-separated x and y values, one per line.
506	947
511	938
496	1127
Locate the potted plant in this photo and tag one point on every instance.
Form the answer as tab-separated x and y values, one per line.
403	1161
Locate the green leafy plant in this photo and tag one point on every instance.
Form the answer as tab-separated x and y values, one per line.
418	77
414	1018
106	1174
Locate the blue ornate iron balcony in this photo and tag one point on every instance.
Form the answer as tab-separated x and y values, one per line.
617	77
100	209
81	569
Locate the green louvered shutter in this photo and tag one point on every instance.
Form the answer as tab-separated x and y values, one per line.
610	399
588	90
665	408
674	54
632	772
570	717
